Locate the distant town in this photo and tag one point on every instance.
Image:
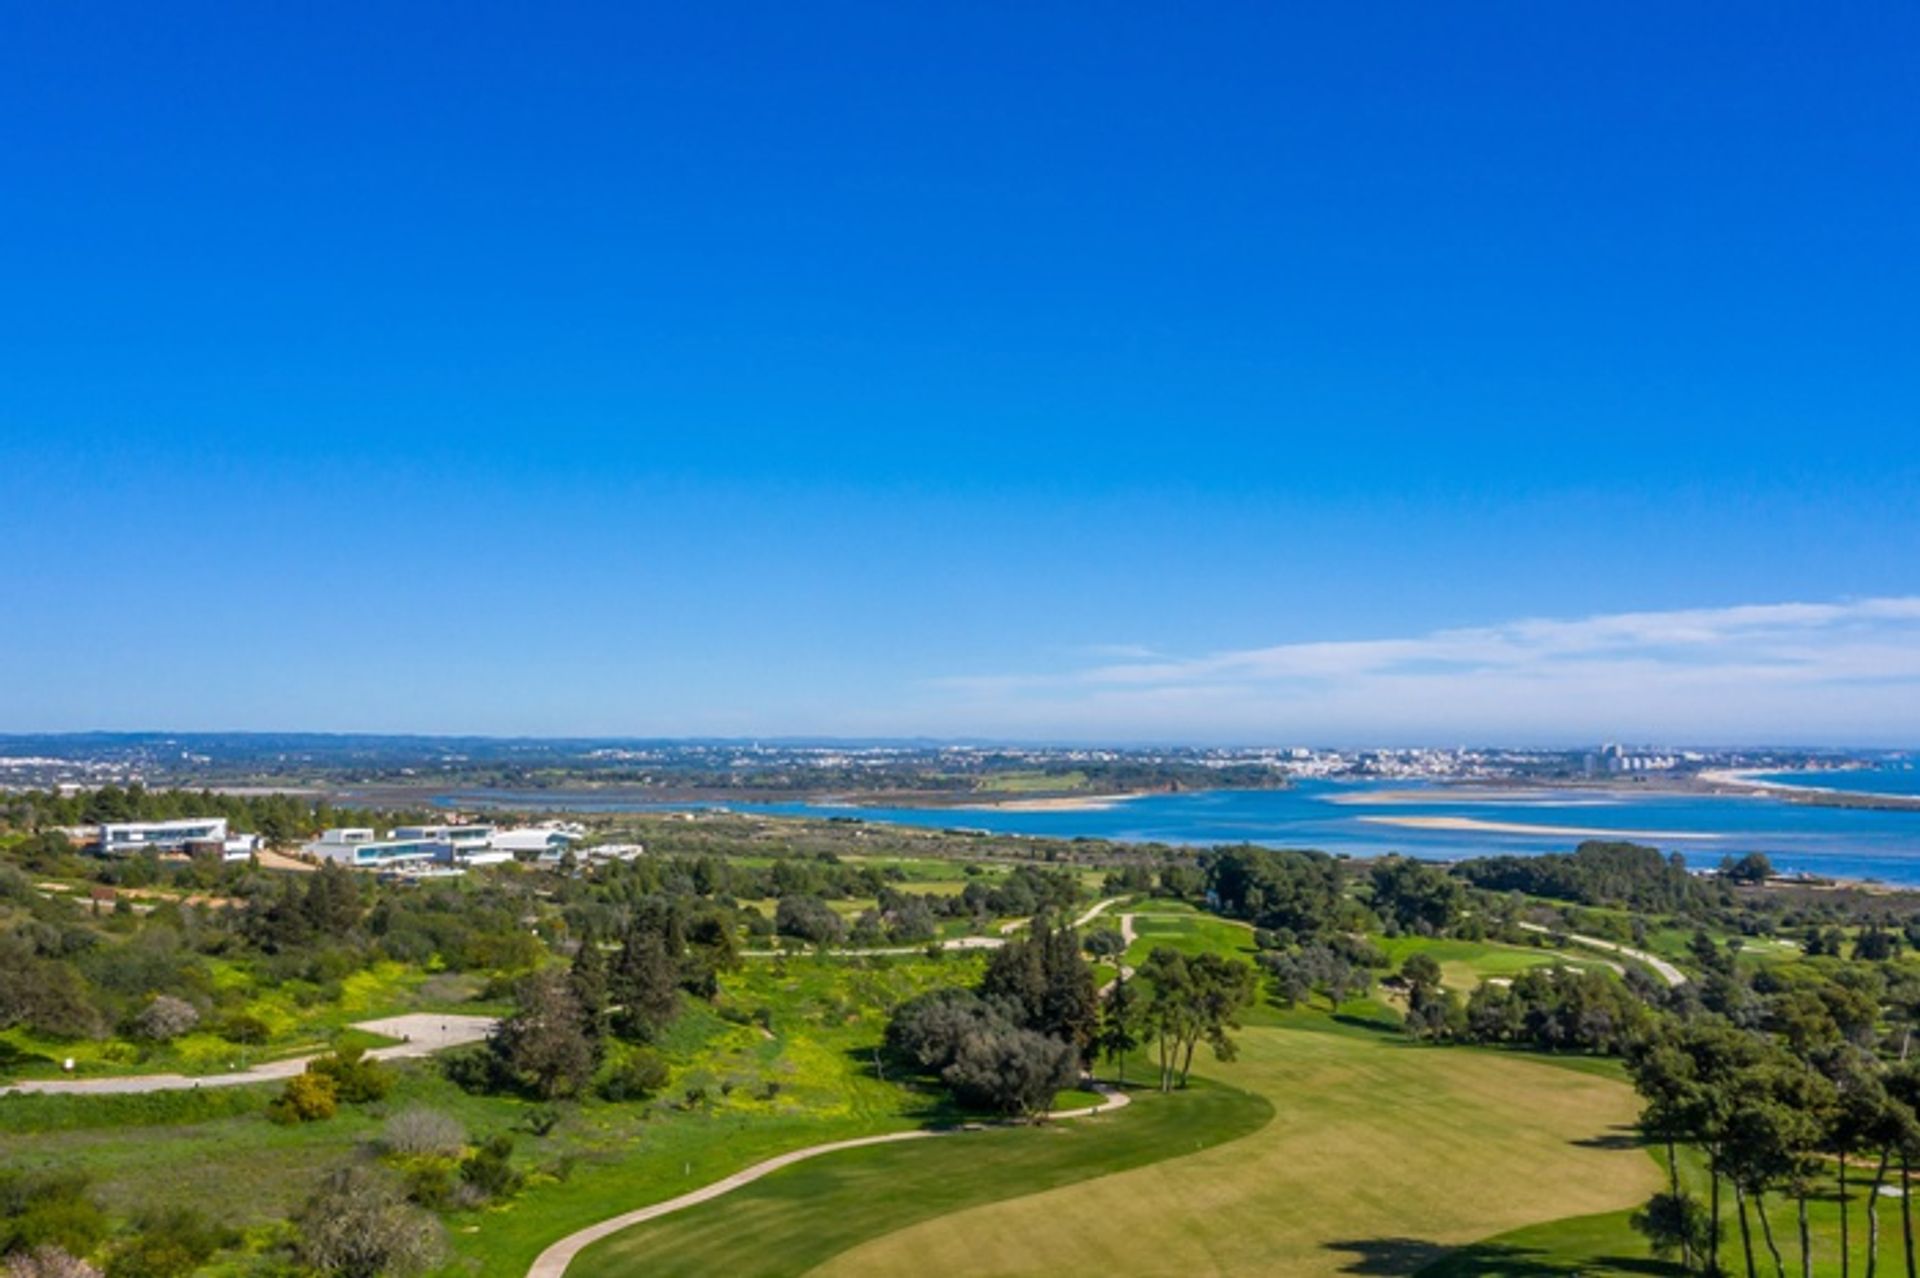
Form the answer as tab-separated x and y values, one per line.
383	768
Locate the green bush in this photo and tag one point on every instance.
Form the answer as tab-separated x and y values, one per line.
308	1098
489	1169
642	1075
356	1078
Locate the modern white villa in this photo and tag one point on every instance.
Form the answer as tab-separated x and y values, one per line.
414	848
189	834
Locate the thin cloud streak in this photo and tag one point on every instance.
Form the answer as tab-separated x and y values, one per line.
1814	672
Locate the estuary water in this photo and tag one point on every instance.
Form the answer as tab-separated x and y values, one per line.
1430	821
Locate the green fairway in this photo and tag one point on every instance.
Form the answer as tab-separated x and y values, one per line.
1375	1145
802	1216
1465	964
1156	926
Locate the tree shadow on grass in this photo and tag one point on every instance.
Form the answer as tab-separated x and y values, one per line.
1623	1136
1418	1258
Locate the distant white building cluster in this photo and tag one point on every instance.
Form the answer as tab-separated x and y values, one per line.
417	849
1617	759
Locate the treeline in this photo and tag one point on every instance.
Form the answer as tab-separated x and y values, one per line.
1595	873
280	818
69	971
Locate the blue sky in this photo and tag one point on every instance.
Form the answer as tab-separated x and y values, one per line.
883	370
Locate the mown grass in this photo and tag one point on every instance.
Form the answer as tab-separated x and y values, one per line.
1465	965
1384	1156
803	1215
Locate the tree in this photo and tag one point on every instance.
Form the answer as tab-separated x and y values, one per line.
645	983
1674	1222
1012	1070
1119	1025
589	978
808	918
544	1044
1413	897
359	1225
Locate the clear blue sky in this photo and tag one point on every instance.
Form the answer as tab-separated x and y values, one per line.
1032	371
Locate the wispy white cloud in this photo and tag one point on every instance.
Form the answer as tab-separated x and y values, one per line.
1843	671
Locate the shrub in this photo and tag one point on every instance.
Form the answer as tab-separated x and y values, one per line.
358	1224
489	1169
473	1069
421	1131
48	1262
165	1019
308	1098
356	1077
244	1029
643	1075
170	1244
48	1210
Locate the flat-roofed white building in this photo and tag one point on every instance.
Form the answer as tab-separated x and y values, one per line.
124	838
472	844
535	840
359	849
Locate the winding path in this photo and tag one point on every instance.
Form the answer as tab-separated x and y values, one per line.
553	1262
421	1034
1672	975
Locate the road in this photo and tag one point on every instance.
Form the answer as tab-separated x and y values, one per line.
422	1034
1667	972
553	1262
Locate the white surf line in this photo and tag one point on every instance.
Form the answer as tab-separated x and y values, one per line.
1672	975
553	1262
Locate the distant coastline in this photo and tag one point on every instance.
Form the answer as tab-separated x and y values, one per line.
1754	781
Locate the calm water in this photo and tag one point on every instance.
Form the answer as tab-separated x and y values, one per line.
1889	778
1334	816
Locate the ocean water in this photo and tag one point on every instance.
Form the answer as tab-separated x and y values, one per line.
1893	777
1354	818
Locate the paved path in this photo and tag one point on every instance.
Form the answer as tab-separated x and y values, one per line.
553	1262
1672	975
423	1033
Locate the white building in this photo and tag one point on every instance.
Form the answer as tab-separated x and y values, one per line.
123	838
472	844
535	840
186	834
358	849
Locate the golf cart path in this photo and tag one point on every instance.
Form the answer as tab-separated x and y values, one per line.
553	1262
1672	975
422	1034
